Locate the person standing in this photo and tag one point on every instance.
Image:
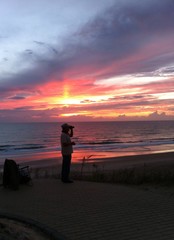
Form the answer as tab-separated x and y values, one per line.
66	150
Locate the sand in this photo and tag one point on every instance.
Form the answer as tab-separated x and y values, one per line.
155	160
164	160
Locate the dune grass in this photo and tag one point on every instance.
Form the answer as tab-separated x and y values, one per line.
145	174
133	176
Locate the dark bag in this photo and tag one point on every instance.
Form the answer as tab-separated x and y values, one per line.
11	176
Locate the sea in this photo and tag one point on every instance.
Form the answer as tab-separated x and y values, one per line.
95	140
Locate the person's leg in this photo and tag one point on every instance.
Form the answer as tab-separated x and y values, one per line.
66	168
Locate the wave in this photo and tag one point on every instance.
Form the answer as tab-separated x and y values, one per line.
116	145
4	147
22	147
105	142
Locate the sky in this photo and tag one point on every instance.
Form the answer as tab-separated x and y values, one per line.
86	60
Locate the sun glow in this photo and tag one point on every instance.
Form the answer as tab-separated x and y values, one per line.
66	99
80	113
69	101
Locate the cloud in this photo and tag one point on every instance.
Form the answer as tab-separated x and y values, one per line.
155	116
17	97
46	45
130	37
125	39
39	43
23	108
29	51
162	86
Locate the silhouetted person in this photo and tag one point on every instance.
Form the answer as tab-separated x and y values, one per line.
66	150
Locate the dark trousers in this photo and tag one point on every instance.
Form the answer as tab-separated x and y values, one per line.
66	163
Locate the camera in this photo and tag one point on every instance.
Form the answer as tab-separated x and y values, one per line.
71	127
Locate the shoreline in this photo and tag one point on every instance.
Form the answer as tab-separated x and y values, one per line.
163	158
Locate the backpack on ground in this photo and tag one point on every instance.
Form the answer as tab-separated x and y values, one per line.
13	175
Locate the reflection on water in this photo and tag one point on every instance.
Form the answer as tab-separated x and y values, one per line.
35	141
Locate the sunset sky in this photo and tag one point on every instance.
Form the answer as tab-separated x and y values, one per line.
86	60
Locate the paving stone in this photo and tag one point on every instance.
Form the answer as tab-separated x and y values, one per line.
86	210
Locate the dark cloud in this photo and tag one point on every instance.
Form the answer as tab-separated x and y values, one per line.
119	105
29	51
169	70
17	97
122	32
26	114
115	99
30	78
23	108
39	43
48	46
87	101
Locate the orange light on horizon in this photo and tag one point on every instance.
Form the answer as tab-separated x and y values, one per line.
80	113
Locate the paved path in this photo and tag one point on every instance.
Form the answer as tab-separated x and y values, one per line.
94	211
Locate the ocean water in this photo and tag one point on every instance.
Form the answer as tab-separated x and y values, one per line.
100	139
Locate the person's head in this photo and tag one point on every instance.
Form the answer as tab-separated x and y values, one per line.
66	127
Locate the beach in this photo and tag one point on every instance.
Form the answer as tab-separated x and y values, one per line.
154	159
109	163
158	159
52	165
133	169
90	210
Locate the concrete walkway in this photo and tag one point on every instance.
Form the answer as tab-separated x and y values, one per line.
93	211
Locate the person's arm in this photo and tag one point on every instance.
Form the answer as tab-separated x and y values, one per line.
66	142
71	132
